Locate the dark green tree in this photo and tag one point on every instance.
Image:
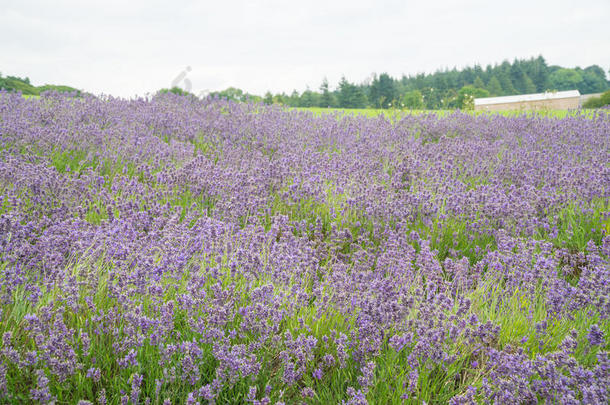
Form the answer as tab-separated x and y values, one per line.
350	95
467	76
565	79
494	87
478	83
281	98
293	100
479	72
594	80
382	91
516	76
507	84
326	98
309	99
527	85
538	71
503	73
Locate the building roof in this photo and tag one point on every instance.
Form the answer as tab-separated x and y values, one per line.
551	95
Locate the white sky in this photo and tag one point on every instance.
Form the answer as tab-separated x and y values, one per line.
134	47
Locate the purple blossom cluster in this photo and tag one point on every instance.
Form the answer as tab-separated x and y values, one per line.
174	250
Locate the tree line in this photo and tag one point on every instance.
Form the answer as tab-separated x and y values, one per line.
443	89
449	89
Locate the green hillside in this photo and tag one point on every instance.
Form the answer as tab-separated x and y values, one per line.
13	83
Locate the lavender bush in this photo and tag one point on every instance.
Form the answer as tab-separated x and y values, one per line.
173	250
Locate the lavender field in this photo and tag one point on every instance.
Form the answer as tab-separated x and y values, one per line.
174	250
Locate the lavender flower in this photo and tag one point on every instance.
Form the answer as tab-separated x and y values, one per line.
42	391
95	374
595	336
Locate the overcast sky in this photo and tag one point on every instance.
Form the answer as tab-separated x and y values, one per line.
134	47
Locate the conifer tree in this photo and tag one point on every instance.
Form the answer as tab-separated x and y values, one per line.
478	83
528	85
494	87
507	85
326	99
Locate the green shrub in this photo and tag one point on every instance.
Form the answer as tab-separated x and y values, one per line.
175	90
413	100
467	94
58	88
597	102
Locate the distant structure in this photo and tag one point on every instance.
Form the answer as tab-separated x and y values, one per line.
553	100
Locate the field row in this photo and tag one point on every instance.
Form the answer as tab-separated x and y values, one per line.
174	250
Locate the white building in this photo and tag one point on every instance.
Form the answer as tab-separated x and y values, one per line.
552	100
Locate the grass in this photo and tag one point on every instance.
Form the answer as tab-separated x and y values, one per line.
395	114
